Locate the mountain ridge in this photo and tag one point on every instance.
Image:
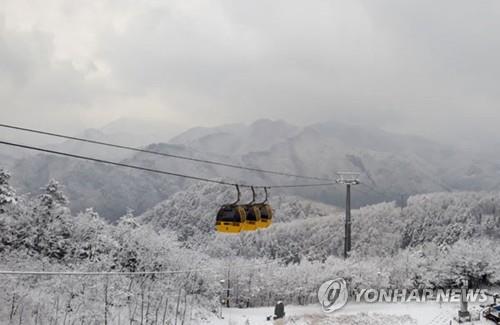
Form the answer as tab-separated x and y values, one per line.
392	166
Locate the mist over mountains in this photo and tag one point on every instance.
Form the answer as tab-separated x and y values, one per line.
392	166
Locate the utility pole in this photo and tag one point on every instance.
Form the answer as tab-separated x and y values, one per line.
348	178
403	201
228	287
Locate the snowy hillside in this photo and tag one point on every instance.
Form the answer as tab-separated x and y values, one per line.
309	230
287	261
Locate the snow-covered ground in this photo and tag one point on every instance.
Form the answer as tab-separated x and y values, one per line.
361	313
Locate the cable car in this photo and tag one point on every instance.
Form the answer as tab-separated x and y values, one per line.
266	213
253	215
253	218
231	217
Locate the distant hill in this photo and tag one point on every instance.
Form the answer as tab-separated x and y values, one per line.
144	131
110	190
103	152
391	165
237	139
304	228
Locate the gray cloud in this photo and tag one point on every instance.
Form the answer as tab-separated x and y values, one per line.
417	67
33	88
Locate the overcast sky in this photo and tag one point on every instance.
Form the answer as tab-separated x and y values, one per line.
418	66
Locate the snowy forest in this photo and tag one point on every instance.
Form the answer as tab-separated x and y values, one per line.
428	241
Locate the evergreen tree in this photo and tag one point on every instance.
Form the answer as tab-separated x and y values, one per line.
7	193
50	223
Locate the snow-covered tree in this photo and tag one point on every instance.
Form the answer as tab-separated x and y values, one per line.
47	224
52	196
7	193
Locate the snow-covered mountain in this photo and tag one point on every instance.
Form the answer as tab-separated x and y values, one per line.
237	139
110	190
88	149
123	131
392	166
144	131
